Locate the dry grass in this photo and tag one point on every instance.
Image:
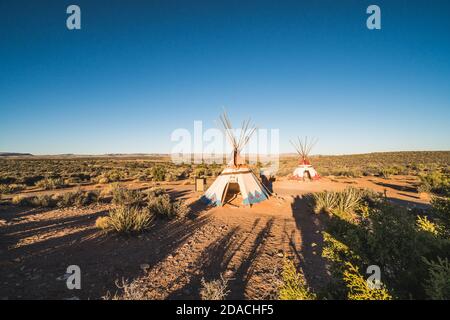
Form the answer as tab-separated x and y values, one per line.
215	289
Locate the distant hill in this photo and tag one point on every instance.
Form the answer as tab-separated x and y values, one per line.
14	154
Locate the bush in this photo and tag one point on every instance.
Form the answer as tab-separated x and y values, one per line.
158	173
435	182
294	285
388	172
123	196
11	188
359	289
344	202
325	201
441	210
44	201
437	286
50	183
68	199
103	223
391	237
162	207
126	219
155	192
426	225
20	201
214	290
77	199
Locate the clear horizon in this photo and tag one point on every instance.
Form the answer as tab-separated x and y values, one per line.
136	71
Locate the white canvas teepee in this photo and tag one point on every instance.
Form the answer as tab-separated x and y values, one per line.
304	170
237	177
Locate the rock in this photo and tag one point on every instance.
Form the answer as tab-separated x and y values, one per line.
228	273
144	266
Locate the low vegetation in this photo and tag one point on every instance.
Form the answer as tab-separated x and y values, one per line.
383	164
68	199
126	219
135	210
163	207
293	286
409	246
359	288
214	289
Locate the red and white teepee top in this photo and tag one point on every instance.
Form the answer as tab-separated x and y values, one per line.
305	169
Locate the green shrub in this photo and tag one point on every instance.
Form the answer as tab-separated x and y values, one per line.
359	289
388	172
437	286
441	210
293	284
158	173
123	196
11	188
388	236
20	201
426	225
340	203
50	183
77	198
435	182
162	207
128	219
43	201
325	201
154	192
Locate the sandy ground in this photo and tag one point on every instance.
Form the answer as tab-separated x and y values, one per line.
246	245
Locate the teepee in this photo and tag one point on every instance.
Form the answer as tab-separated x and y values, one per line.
237	177
304	170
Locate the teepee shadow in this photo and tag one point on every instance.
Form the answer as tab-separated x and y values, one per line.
313	265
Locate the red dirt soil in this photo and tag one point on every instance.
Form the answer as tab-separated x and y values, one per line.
246	245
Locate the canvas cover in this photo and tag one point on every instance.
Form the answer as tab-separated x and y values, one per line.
301	172
250	187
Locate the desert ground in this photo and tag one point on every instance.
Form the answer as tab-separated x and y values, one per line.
245	245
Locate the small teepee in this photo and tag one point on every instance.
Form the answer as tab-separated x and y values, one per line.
237	177
304	170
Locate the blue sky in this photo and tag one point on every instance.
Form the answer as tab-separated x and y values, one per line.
140	69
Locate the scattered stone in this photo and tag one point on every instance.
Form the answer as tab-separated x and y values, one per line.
144	266
229	273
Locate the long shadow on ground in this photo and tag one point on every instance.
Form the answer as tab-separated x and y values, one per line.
310	226
216	258
31	270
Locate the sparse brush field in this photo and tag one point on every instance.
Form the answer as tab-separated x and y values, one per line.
383	164
136	229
